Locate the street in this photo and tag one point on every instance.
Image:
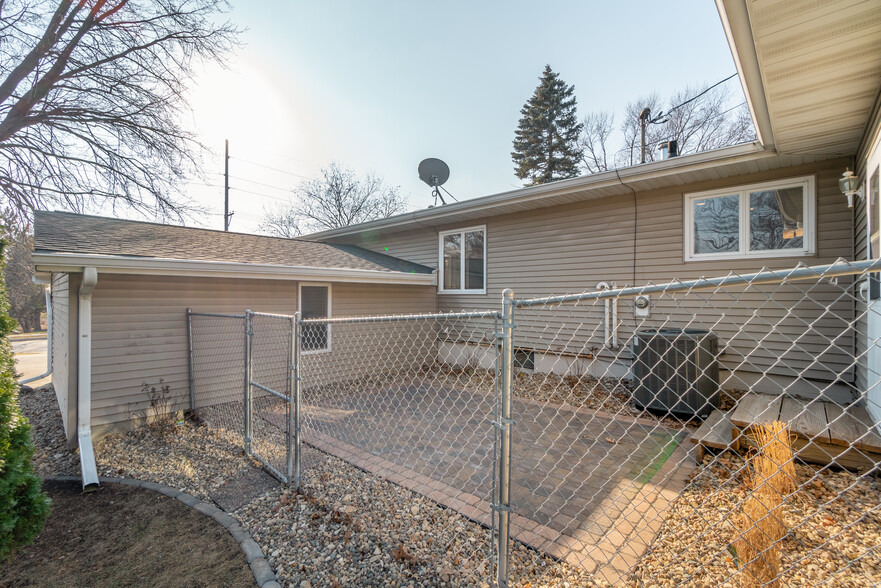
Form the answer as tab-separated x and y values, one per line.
30	359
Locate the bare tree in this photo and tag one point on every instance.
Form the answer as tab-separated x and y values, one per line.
339	198
697	125
594	141
26	299
282	221
91	94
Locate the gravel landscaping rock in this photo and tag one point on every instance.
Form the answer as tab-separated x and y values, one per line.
349	528
52	456
834	522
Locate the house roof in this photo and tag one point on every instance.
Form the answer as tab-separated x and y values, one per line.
708	165
811	71
79	240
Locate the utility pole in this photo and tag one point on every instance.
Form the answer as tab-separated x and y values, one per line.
643	121
226	186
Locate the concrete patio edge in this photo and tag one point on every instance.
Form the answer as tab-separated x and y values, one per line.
263	574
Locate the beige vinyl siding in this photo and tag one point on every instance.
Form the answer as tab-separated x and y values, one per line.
359	349
573	247
140	332
61	341
418	245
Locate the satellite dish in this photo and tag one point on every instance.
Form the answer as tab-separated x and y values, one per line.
434	172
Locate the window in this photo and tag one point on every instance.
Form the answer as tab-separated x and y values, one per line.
315	303
764	220
463	261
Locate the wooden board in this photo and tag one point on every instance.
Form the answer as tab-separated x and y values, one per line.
852	426
756	409
715	432
825	453
807	419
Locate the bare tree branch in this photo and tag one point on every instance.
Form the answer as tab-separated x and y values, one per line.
338	199
91	98
699	125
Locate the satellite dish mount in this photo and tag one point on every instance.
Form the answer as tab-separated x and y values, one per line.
434	172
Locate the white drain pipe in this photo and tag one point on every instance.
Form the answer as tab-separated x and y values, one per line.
48	333
84	380
610	317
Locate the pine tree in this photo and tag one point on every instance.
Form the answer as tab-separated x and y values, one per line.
546	142
23	507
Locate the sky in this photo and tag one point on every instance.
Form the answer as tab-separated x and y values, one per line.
380	85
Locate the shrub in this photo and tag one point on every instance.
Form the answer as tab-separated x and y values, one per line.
23	507
771	480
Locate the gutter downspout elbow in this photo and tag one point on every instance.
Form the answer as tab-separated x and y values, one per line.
84	380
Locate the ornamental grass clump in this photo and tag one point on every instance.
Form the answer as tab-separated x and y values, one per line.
23	507
771	480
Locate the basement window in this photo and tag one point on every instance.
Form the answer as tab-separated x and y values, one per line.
774	219
524	359
462	261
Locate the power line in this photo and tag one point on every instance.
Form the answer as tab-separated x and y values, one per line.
732	108
284	189
692	99
275	169
280	199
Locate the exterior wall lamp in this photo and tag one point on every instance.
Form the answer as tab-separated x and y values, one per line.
850	185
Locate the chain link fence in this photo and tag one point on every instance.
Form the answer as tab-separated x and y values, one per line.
216	345
411	399
709	432
762	377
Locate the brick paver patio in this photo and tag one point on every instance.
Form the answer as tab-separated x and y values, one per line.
587	487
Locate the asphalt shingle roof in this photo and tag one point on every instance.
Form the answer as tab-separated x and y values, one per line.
64	232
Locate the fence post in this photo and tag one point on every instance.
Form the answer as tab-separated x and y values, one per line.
296	400
247	391
190	363
503	504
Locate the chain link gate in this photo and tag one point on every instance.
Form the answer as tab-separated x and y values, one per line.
269	387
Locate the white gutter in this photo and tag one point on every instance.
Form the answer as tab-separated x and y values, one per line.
738	30
84	380
47	290
119	264
672	166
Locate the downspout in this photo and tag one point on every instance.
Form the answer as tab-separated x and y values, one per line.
48	372
84	380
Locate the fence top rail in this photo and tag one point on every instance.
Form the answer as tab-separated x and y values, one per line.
841	267
216	314
270	315
403	317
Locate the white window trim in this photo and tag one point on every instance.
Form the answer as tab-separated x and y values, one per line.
440	260
810	224
329	313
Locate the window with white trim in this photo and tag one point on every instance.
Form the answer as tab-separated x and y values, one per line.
462	261
774	219
315	303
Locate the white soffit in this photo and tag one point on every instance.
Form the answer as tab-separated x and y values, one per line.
820	66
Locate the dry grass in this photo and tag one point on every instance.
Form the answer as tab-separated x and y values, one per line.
771	480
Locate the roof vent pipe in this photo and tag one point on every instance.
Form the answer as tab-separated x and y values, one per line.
669	149
84	380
